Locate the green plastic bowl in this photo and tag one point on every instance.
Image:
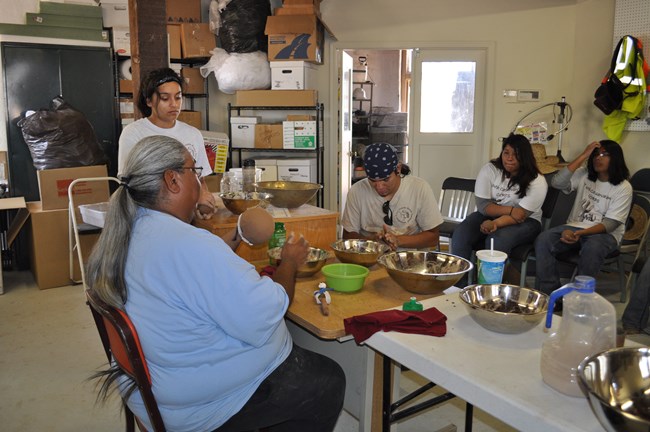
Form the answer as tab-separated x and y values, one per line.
345	277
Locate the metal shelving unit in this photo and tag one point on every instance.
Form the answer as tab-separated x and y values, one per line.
317	152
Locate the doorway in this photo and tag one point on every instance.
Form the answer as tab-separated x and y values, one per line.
432	154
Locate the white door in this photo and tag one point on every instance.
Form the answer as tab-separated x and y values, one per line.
345	128
447	120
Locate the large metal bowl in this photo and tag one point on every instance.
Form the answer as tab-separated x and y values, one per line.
505	308
362	252
315	261
617	385
424	272
289	194
239	202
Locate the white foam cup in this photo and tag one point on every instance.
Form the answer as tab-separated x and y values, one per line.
490	266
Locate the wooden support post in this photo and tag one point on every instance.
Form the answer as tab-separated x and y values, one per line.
148	28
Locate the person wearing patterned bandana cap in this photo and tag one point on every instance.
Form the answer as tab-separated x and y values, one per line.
390	205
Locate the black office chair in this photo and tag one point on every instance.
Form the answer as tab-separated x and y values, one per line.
456	201
640	181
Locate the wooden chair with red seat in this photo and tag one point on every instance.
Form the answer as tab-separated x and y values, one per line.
122	344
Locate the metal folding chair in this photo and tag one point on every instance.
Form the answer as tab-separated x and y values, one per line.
76	229
456	200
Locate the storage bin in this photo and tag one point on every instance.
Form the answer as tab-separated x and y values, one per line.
292	75
94	214
243	131
303	170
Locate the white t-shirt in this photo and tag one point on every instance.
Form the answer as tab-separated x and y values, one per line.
413	206
491	185
598	200
188	135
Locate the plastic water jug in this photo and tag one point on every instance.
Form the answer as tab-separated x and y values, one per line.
588	327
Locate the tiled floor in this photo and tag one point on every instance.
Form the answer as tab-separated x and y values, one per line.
49	347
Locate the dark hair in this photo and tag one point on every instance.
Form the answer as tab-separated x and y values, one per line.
617	171
527	165
150	84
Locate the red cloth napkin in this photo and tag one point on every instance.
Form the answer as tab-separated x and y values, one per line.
428	322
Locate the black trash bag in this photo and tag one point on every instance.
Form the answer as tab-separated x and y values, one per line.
61	137
242	26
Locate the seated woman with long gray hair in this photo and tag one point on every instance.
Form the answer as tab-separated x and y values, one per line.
212	329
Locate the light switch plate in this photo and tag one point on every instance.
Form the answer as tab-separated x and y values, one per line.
529	96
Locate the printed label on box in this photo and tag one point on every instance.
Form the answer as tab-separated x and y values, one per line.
299	134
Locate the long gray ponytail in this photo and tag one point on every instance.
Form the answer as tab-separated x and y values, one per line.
142	183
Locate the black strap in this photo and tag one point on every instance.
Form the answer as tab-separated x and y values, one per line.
634	63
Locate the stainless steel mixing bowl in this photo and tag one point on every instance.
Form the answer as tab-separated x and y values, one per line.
424	272
356	251
617	385
505	308
289	194
315	261
239	202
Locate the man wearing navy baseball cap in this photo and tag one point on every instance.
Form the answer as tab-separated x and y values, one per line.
391	206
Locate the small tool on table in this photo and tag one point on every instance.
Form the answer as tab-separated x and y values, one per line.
323	298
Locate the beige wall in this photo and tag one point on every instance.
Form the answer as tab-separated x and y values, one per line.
559	47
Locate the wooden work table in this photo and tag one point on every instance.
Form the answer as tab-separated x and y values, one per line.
379	292
316	224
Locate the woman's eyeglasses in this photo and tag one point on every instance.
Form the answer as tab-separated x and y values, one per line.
388	218
195	169
601	153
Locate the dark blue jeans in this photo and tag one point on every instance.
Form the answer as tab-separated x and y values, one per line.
638	309
304	393
593	250
468	237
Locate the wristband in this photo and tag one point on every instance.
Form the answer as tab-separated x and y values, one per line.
244	239
511	209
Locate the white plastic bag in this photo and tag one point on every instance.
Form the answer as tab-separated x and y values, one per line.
238	71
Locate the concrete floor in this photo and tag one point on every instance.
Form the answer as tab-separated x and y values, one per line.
49	346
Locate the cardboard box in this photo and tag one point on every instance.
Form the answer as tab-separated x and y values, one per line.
242	131
194	81
299	135
194	118
214	182
306	9
53	186
183	11
115	14
300	2
126	86
295	37
126	108
50	254
300	117
269	169
268	136
174	40
197	40
275	98
292	75
122	41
